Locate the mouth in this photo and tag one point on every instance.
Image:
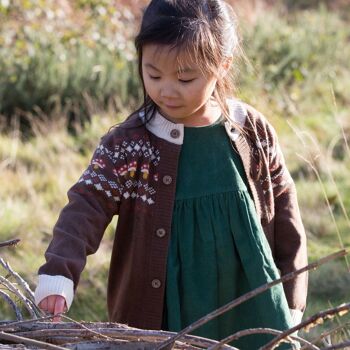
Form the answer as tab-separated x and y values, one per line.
171	106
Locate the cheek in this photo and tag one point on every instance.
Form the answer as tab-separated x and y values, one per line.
205	90
149	87
211	86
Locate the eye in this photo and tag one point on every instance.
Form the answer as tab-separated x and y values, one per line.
153	77
186	81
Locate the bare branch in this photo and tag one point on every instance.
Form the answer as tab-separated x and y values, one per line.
251	331
344	345
22	340
309	323
12	304
18	278
12	242
24	285
86	328
11	287
11	324
72	332
248	296
328	333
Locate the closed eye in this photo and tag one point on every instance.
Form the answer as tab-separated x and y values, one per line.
186	81
153	77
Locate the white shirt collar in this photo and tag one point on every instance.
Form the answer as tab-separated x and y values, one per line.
174	132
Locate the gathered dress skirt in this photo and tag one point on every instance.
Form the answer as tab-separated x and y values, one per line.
218	250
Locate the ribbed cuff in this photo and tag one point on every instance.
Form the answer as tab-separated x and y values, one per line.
296	316
54	285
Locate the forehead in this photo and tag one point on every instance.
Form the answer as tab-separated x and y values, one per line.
170	56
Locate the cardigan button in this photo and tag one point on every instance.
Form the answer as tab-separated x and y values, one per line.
175	133
167	180
161	232
156	283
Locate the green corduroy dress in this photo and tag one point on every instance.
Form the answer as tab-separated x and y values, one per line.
218	250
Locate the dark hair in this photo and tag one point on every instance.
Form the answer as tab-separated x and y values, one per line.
204	28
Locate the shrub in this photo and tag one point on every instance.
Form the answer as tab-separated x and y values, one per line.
50	58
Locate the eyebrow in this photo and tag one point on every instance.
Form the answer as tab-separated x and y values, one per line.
185	70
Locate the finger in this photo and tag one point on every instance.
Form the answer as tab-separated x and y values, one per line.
59	308
51	300
43	304
57	319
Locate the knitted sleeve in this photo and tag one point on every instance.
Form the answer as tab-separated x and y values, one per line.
93	201
290	238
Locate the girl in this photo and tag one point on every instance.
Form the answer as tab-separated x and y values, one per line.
207	209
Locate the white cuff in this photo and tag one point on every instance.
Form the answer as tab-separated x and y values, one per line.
54	285
296	316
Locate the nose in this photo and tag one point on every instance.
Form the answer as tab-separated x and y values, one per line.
167	90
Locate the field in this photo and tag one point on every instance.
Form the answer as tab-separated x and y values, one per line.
60	93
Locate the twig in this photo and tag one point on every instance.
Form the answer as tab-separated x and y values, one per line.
28	303
309	323
61	333
18	278
248	296
251	331
346	331
131	335
86	328
21	340
24	285
12	242
338	346
327	333
12	324
12	304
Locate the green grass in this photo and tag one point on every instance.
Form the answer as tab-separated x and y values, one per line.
300	81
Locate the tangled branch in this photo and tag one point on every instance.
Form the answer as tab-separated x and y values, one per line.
245	332
26	297
72	334
311	322
248	296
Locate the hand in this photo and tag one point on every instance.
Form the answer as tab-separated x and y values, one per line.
54	304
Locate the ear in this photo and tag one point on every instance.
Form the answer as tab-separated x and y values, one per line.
225	66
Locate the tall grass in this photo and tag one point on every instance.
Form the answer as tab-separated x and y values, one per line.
298	77
35	176
297	60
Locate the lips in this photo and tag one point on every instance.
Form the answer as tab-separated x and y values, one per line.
171	106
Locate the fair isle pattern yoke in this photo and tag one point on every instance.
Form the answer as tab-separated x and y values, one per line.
126	159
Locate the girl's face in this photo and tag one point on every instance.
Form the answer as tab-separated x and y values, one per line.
181	91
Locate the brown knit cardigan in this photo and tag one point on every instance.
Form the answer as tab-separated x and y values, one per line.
133	174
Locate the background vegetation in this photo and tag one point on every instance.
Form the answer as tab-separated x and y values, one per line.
67	73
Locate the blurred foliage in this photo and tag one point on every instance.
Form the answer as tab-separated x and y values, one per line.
300	55
56	55
66	54
307	4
